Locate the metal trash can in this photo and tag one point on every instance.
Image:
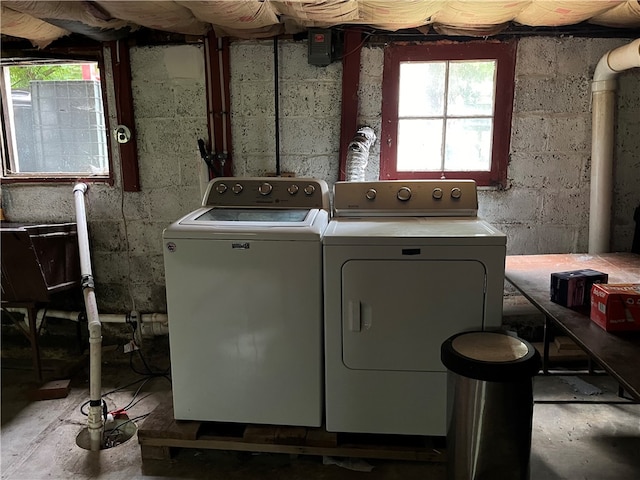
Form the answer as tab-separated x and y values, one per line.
489	405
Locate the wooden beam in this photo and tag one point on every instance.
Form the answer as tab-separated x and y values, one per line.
350	84
121	66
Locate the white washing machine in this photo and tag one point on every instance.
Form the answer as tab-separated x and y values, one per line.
406	265
244	298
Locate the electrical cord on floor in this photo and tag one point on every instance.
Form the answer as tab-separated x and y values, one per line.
148	374
113	436
143	380
130	420
133	400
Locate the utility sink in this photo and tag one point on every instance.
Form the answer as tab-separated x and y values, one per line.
38	260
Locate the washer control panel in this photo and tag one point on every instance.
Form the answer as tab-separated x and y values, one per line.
271	192
414	197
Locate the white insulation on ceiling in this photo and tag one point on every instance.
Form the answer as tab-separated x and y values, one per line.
37	20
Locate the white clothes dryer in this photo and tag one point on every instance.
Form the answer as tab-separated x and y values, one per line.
407	264
244	298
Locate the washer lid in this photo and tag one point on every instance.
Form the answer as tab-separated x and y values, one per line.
250	223
252	215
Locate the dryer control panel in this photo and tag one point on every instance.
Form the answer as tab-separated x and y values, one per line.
271	192
399	197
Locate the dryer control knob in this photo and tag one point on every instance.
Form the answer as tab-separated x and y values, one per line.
221	188
237	188
404	194
456	192
437	193
293	189
309	189
371	194
265	188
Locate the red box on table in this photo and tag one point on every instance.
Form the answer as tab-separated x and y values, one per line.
616	307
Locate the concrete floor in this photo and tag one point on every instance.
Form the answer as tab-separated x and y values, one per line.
578	434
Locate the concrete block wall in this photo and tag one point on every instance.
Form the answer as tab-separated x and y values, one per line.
125	228
543	210
546	206
309	111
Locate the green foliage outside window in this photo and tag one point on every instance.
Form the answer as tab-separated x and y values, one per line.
21	76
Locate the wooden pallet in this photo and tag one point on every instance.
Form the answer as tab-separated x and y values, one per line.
160	435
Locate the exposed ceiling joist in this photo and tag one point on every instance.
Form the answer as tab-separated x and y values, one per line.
44	21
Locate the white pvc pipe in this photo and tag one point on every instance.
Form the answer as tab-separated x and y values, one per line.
618	60
113	318
150	323
25	314
602	148
73	316
154	324
602	141
95	423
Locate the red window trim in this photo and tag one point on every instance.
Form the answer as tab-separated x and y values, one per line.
350	83
121	66
504	52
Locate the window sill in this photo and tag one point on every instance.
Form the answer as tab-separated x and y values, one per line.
489	188
61	179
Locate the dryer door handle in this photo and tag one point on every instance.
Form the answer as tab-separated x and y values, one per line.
355	316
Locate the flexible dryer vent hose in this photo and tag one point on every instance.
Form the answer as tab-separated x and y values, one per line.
358	154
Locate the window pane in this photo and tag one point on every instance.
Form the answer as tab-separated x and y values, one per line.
58	121
468	144
419	145
421	89
471	88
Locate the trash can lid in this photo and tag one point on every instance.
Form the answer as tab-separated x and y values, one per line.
490	347
490	356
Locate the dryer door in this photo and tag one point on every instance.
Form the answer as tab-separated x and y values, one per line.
397	313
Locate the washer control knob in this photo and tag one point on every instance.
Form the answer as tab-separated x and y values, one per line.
456	192
404	194
437	193
221	188
293	189
265	188
371	194
237	188
309	189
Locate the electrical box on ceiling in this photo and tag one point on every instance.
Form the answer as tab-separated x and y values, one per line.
320	46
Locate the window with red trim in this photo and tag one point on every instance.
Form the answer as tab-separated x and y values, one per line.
54	120
61	133
446	111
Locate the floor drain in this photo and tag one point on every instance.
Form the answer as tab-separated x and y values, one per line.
116	432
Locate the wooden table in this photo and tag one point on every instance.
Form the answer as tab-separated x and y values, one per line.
618	354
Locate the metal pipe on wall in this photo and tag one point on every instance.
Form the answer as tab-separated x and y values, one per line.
95	422
603	90
276	105
217	79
